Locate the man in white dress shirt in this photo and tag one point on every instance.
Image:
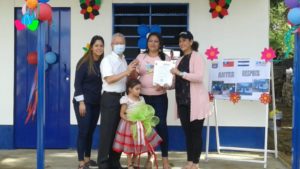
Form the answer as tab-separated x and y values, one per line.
114	71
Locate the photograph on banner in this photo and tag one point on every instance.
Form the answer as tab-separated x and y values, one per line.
248	77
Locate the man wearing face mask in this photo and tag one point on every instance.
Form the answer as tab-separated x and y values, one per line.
114	71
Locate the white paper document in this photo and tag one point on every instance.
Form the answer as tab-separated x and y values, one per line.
162	72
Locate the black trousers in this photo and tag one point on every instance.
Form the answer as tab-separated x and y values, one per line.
86	127
193	133
110	118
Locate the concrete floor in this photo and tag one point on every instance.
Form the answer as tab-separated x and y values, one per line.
67	159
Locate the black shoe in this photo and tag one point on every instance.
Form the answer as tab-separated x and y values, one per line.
92	164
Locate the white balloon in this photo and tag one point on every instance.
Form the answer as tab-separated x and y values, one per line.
24	9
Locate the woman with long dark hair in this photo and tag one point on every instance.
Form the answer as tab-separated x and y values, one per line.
191	97
88	85
155	95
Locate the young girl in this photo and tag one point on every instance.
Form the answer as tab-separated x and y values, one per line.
128	139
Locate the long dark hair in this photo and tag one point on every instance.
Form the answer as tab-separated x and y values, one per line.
161	54
131	83
88	56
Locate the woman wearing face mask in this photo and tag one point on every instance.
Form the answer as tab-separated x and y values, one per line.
155	95
88	85
191	97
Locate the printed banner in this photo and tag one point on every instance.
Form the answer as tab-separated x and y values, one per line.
250	78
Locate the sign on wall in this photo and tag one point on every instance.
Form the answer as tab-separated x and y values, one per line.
250	78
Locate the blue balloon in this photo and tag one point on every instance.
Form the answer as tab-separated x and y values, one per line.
50	57
27	18
143	30
43	1
156	29
294	16
142	43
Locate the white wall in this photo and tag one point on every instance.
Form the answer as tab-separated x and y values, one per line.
7	62
243	33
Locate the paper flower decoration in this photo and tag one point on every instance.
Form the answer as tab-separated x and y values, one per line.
86	48
265	98
212	53
235	97
268	54
90	8
211	97
143	30
219	8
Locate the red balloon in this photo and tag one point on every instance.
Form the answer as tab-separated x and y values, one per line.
44	12
32	58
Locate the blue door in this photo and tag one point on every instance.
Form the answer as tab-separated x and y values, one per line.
57	84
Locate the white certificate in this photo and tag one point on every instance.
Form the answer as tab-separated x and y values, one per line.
162	72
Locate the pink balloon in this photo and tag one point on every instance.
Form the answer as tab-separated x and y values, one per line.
19	25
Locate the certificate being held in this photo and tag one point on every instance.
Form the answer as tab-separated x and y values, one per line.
162	74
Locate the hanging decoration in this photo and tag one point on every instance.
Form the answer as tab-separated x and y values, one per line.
33	12
235	97
32	58
90	8
50	58
212	53
268	54
293	19
143	31
265	98
219	8
32	101
19	25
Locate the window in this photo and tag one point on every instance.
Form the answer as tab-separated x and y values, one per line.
172	18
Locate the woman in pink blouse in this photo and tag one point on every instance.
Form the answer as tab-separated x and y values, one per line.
191	97
155	95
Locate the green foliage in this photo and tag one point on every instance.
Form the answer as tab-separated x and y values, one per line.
278	27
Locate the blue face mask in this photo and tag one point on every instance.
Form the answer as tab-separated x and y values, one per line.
119	49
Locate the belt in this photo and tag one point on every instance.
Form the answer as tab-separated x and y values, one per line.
115	93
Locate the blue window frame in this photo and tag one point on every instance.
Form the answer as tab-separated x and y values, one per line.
172	18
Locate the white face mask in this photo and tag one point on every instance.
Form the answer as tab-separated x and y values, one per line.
119	49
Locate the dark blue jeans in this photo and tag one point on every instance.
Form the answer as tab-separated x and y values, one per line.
160	105
86	127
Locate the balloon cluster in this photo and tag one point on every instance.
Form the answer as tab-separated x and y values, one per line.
33	12
294	19
50	57
294	12
143	30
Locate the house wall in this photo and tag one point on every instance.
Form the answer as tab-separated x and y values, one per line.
242	34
